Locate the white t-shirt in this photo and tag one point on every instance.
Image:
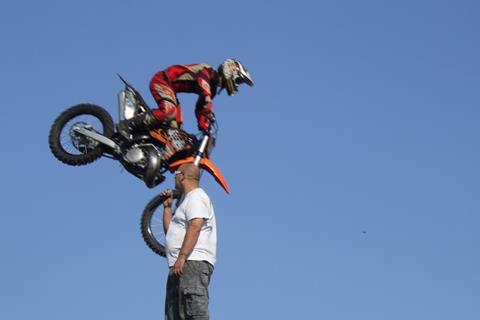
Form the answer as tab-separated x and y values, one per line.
195	204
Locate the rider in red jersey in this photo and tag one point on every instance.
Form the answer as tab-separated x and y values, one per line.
201	79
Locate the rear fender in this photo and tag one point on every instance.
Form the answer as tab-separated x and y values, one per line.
205	164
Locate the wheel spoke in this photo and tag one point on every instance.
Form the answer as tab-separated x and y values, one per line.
156	225
66	134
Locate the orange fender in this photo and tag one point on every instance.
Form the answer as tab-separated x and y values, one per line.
207	165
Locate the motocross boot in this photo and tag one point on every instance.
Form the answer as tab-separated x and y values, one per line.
143	121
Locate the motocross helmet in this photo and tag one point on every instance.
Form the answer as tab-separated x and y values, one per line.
233	73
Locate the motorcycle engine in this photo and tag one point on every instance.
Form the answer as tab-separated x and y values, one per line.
135	155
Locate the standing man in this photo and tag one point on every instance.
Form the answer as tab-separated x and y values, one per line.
191	241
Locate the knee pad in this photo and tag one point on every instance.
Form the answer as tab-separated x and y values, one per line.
167	111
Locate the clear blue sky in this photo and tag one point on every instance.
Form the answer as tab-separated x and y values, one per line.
353	162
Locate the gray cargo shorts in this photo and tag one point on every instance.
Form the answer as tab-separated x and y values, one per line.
187	295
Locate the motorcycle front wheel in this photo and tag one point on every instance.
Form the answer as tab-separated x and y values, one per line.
151	225
72	148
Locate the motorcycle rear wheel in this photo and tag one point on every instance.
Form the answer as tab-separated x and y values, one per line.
80	153
151	225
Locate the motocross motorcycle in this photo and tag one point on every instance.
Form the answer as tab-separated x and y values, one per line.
85	132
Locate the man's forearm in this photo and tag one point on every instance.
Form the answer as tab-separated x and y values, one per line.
167	217
191	238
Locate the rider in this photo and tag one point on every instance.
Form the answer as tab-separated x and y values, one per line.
201	79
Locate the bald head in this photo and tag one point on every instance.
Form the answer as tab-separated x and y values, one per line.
190	171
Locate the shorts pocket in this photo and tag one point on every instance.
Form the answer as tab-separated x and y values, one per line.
196	301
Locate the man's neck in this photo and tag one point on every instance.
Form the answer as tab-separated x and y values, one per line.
190	187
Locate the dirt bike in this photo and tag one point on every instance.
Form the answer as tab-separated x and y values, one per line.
86	132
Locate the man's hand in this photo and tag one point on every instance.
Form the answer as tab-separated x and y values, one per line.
178	266
167	203
205	120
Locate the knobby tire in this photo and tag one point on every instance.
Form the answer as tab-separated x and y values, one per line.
81	109
152	242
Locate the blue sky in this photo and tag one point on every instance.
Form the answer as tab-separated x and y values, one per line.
353	162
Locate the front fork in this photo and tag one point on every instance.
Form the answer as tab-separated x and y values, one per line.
203	162
201	150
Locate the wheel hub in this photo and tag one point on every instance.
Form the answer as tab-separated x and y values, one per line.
81	142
